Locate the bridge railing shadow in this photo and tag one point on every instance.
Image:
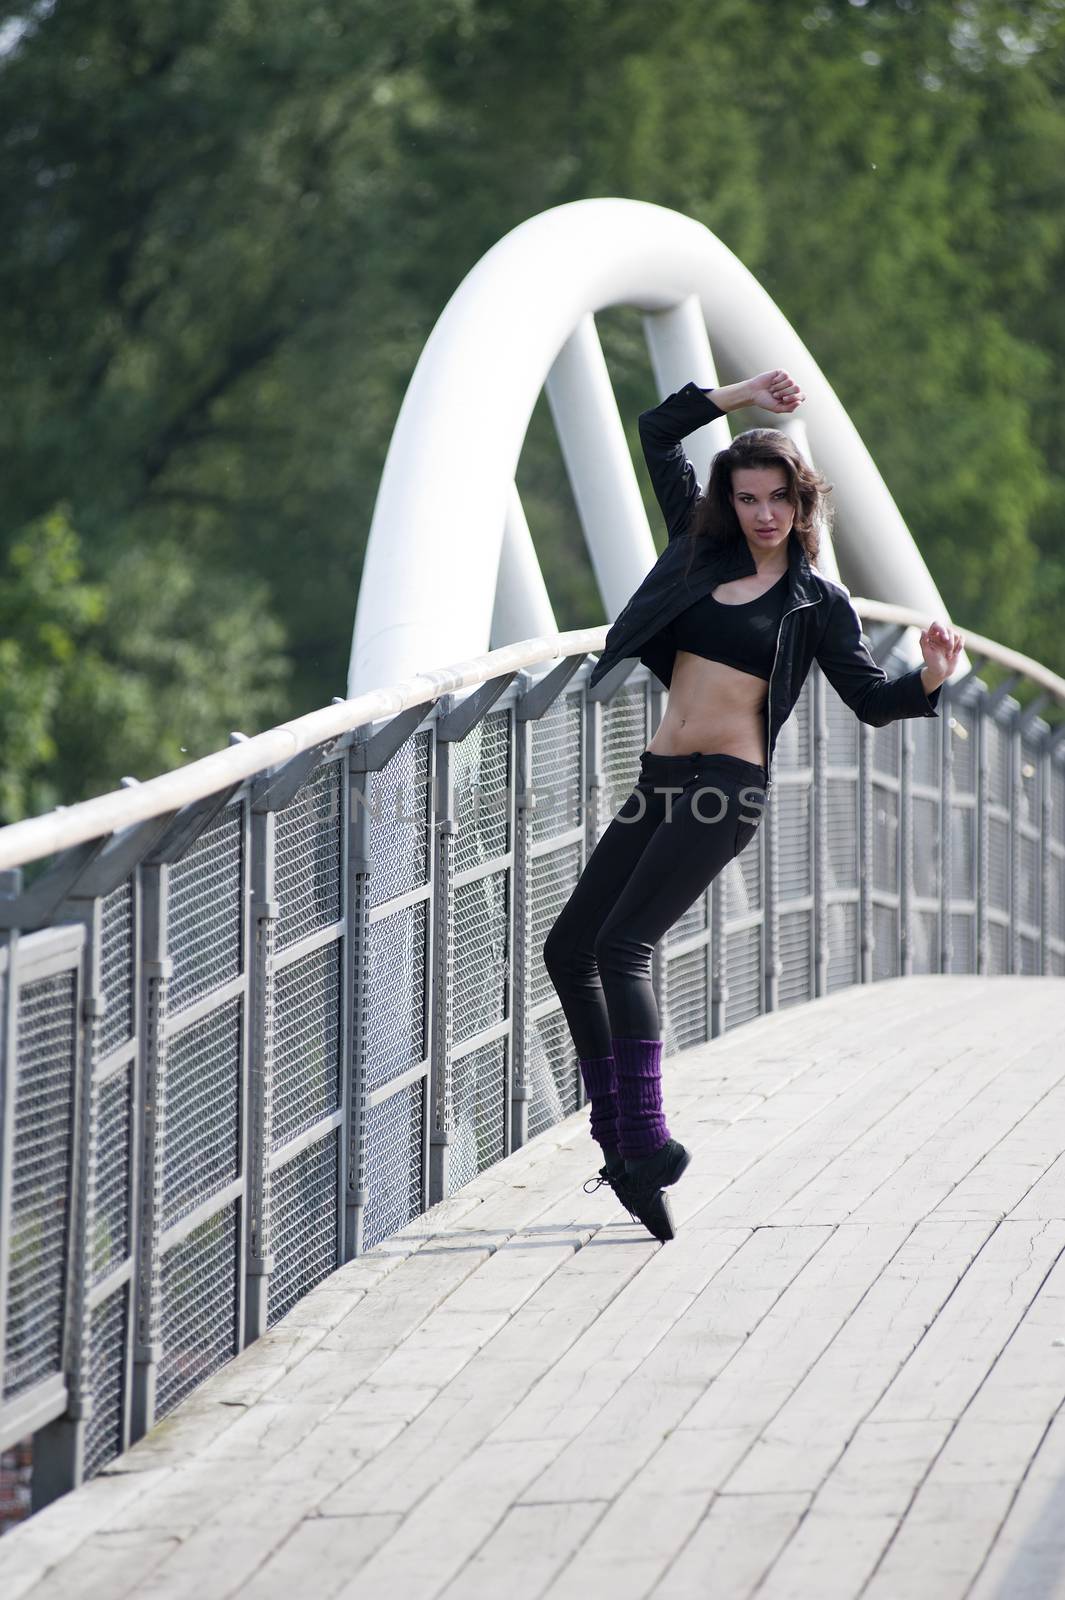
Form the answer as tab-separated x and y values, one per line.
249	1038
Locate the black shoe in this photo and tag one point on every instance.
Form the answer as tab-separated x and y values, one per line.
613	1173
646	1205
659	1170
650	1209
607	1174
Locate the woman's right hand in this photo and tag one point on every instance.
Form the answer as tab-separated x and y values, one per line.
775	390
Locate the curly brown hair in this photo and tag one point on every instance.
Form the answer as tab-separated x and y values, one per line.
713	514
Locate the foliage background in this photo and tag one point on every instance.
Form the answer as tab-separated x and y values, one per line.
230	226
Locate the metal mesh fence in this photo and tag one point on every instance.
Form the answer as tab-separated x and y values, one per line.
482	951
926	875
199	1307
843	952
393	1132
399	800
962	724
482	769
795	740
555	773
1030	779
739	894
876	858
397	956
1026	908
1055	900
205	923
998	762
998	862
924	837
695	920
109	1239
963	852
40	1181
1056	786
107	1375
744	968
687	1009
793	822
842	832
308	855
841	796
795	950
884	748
886	950
927	736
304	1241
623	739
925	941
550	865
552	879
963	935
887	752
117	967
202	1125
479	1085
962	730
998	944
553	1073
307	1002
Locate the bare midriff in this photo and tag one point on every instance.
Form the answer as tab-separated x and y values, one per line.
712	707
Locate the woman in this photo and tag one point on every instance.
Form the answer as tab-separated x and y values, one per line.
730	618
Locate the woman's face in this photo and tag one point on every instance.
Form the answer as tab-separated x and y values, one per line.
760	498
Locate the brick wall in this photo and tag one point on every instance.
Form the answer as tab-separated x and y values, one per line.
16	1467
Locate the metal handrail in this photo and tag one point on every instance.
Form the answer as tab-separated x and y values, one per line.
1000	654
254	1021
36	837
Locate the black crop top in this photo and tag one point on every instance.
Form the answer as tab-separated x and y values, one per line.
742	635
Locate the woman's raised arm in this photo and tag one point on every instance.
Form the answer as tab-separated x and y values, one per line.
665	426
662	431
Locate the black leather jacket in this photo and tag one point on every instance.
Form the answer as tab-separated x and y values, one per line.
819	622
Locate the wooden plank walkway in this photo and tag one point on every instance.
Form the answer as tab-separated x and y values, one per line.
843	1378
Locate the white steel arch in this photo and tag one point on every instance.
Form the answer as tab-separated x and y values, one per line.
450	569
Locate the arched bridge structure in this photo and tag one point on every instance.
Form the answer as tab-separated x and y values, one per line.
451	566
273	1024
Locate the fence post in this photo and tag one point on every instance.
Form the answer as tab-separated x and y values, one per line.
357	942
946	832
443	960
906	852
594	785
819	805
59	1447
10	888
1013	850
151	1071
770	886
1046	860
264	914
982	841
865	851
718	958
525	802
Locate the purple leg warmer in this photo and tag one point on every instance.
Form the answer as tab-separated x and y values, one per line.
641	1121
599	1080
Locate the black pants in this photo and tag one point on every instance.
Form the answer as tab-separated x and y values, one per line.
686	819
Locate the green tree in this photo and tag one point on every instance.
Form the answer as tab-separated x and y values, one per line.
231	226
97	682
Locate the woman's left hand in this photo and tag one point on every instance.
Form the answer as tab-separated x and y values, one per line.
941	647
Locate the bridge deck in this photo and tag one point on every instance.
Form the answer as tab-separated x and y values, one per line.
843	1377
